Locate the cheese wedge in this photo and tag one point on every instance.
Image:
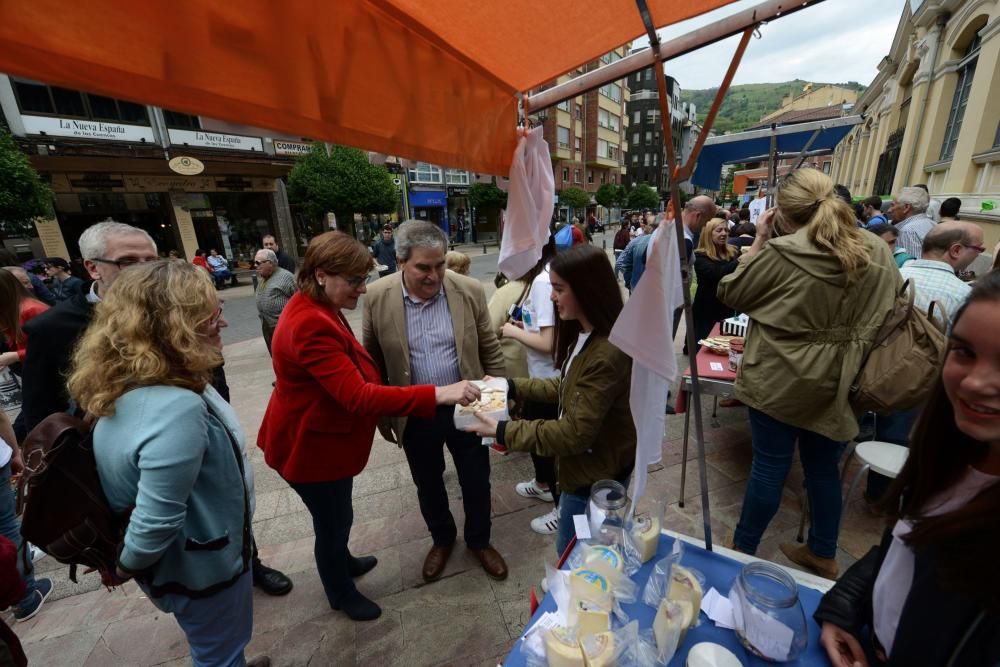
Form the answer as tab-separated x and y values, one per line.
599	650
605	561
586	584
591	619
684	586
669	627
646	536
562	649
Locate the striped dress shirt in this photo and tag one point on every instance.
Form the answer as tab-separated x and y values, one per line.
431	338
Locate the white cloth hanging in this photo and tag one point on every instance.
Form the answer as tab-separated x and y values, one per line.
530	202
641	331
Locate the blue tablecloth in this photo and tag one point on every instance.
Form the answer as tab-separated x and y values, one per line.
720	572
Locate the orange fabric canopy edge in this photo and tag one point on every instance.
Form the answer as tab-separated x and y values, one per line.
429	80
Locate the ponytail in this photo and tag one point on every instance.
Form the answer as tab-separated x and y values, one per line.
834	229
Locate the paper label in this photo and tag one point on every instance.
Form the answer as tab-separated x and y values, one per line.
582	527
715	366
597	516
719	609
772	638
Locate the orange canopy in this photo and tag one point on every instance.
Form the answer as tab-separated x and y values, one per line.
433	80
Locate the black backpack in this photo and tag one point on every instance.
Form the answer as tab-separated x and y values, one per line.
66	513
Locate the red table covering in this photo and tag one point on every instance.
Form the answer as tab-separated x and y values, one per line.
704	360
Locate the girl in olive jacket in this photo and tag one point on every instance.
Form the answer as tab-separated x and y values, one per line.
594	437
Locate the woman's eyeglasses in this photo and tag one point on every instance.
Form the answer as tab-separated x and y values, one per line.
355	281
214	320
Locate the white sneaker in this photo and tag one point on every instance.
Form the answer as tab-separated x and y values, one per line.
35	552
532	490
547	524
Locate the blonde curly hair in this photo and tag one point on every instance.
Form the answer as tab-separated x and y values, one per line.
145	332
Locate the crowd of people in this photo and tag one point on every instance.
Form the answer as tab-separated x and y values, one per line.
138	347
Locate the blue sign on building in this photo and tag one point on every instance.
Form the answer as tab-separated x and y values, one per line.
431	198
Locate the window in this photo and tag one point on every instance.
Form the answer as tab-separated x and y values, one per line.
653	115
603	177
612	91
579	111
35	97
649	137
826	167
181	120
638	77
562	136
996	139
649	74
963	85
577	144
635	158
456	177
566	174
609	58
645	160
606	149
609	120
564	105
590	176
635	138
426	173
637	117
656	158
614	179
576	175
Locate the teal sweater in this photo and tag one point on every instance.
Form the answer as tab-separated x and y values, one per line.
165	453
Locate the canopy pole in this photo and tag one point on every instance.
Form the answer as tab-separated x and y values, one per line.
805	149
676	175
772	166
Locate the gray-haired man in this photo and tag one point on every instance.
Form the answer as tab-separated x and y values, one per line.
276	287
423	325
908	213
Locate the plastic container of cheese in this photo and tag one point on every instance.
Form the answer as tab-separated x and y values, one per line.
492	403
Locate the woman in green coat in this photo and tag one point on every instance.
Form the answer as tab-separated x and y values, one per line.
816	297
593	437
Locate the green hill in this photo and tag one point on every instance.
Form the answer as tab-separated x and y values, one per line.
746	103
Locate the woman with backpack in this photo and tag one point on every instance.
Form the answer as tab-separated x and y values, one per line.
169	449
930	593
592	436
816	297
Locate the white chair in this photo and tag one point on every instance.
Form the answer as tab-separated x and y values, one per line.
884	458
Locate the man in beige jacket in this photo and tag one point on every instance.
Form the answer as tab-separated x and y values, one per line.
425	326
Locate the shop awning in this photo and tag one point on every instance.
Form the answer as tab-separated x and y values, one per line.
434	81
755	146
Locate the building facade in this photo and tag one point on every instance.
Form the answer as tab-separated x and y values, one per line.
815	97
928	114
646	162
111	159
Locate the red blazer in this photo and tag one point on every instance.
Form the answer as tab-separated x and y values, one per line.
30	308
320	422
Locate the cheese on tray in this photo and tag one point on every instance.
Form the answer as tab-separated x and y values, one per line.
599	650
646	535
605	561
562	649
684	586
586	584
591	618
669	626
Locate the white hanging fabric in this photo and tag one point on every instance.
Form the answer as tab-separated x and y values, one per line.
643	331
530	202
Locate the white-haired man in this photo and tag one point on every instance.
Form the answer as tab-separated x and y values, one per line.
275	288
909	214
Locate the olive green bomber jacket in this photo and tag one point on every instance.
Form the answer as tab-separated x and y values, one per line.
594	438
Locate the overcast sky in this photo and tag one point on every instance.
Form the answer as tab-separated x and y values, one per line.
833	42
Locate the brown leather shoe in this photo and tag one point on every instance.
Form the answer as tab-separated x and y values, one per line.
492	562
436	559
801	554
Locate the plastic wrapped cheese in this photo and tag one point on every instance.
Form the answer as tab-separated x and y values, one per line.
588	585
669	627
591	618
562	649
646	537
604	560
599	650
685	586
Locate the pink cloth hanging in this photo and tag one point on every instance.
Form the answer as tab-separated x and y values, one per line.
530	202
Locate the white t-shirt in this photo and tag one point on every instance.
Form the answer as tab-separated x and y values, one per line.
543	314
581	340
757	206
895	577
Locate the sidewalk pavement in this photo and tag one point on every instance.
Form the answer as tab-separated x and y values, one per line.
464	619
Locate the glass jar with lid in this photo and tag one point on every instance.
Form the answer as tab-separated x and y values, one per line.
768	615
606	511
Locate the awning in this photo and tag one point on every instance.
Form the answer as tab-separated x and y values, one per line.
434	81
755	146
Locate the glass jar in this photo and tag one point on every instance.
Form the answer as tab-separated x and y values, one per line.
768	615
606	511
735	353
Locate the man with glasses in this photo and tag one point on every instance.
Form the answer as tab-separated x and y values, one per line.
275	288
948	248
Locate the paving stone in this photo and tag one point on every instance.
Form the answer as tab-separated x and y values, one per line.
161	639
69	650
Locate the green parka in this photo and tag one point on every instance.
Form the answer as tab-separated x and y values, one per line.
594	439
810	329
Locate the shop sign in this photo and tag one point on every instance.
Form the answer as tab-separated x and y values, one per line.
233	142
187	166
436	199
196	184
97	182
77	128
234	183
294	148
458	191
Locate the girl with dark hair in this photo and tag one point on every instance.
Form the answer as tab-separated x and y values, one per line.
592	437
930	593
17	306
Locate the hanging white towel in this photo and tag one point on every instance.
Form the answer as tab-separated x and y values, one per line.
641	331
530	201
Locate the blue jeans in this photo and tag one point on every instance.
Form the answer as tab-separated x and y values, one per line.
569	504
773	449
10	528
218	627
332	513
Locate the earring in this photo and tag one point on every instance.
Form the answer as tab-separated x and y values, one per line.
322	284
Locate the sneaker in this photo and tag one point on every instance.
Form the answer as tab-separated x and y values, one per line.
547	524
35	552
29	609
532	490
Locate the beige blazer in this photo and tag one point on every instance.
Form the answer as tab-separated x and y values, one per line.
384	335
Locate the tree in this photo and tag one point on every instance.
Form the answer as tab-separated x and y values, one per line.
343	182
610	195
23	194
575	198
643	196
487	196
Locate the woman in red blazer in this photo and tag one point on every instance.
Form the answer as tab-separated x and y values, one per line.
319	425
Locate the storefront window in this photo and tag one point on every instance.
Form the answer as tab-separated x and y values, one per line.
35	97
181	121
457	177
426	173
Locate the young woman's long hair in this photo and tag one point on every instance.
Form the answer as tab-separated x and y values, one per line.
589	274
806	197
965	540
12	293
707	247
146	331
